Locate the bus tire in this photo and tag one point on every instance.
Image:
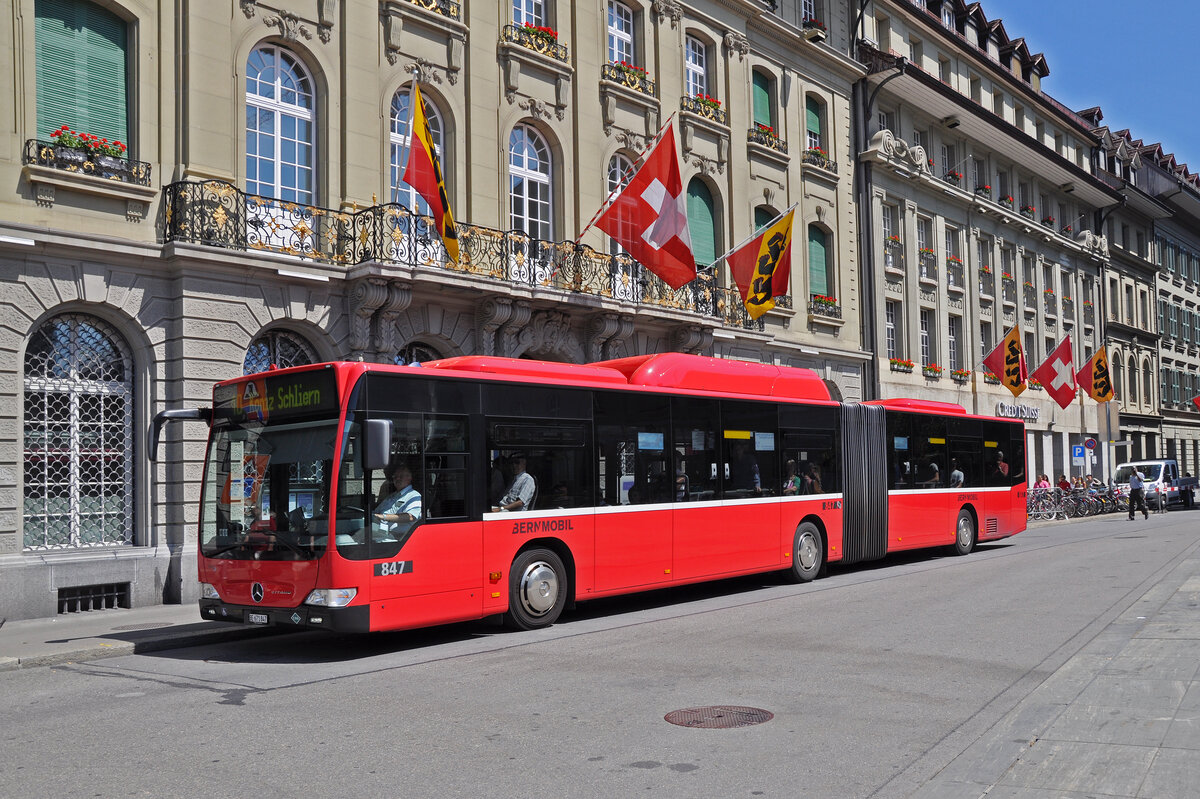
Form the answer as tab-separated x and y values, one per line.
808	553
964	533
537	590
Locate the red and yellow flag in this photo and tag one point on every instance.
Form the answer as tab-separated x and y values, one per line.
761	267
1007	362
1094	378
424	173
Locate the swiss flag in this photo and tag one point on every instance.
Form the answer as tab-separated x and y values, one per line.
649	217
1057	374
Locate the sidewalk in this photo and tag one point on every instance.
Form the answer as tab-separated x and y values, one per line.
107	633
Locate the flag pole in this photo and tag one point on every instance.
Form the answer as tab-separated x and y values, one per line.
743	242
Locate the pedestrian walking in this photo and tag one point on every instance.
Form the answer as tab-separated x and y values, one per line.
1137	495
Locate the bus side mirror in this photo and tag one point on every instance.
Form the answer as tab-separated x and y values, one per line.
377	451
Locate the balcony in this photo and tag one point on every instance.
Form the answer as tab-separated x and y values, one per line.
1068	307
765	136
446	8
631	77
814	156
824	306
927	271
954	276
987	283
217	214
1009	290
1050	303
540	40
1029	294
704	107
1089	313
84	162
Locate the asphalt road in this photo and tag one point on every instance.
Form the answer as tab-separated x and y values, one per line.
877	677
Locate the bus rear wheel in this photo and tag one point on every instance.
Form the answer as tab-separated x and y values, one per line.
964	533
808	553
537	590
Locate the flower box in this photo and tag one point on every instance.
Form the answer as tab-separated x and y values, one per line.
893	241
901	364
952	177
990	377
86	143
953	260
1048	221
926	253
631	69
1007	202
1035	385
985	270
960	375
711	103
813	22
931	370
1028	211
983	191
541	32
1007	277
821	299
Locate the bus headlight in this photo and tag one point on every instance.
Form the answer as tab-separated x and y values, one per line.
208	591
331	597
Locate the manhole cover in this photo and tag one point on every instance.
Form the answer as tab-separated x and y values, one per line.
719	717
128	627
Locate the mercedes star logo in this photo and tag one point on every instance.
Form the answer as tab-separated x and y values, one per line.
256	592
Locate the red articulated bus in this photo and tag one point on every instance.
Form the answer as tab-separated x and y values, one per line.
357	497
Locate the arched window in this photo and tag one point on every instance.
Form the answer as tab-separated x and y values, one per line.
1133	380
620	170
814	118
416	352
1146	384
402	193
702	222
763	216
78	436
529	179
280	126
277	348
82	52
1118	371
819	268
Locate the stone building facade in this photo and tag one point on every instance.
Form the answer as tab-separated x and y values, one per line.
257	217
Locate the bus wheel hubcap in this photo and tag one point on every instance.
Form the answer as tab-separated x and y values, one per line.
539	588
807	551
964	531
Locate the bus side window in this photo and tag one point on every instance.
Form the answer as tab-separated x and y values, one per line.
556	456
695	423
631	448
811	437
901	469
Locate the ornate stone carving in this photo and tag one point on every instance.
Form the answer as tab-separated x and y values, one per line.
692	339
399	296
886	146
539	110
248	8
363	299
326	12
492	314
737	43
425	71
667	9
512	338
550	332
707	166
633	141
291	29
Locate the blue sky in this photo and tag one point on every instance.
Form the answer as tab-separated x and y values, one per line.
1137	61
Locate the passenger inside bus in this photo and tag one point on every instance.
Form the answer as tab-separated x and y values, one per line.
522	489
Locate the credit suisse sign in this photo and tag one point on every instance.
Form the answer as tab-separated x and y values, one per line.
1017	410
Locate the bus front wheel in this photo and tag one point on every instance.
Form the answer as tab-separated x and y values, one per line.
537	590
808	553
964	533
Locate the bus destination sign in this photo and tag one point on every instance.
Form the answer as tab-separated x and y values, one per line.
270	397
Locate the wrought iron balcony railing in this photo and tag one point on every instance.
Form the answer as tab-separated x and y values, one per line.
767	138
85	162
704	108
819	160
630	77
217	214
831	310
535	40
447	8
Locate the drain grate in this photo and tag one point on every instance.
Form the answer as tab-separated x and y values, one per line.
719	717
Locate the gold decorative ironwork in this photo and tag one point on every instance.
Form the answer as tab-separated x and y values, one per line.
86	162
535	40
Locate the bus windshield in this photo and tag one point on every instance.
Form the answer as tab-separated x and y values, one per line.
266	490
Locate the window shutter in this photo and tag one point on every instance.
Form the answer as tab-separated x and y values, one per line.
762	100
818	276
701	223
81	69
762	217
812	116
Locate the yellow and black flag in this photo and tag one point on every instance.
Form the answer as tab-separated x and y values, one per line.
424	173
1094	378
761	267
1007	362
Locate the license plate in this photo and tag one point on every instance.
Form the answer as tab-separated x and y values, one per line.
256	618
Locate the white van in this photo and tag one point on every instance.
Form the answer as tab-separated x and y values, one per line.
1161	478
